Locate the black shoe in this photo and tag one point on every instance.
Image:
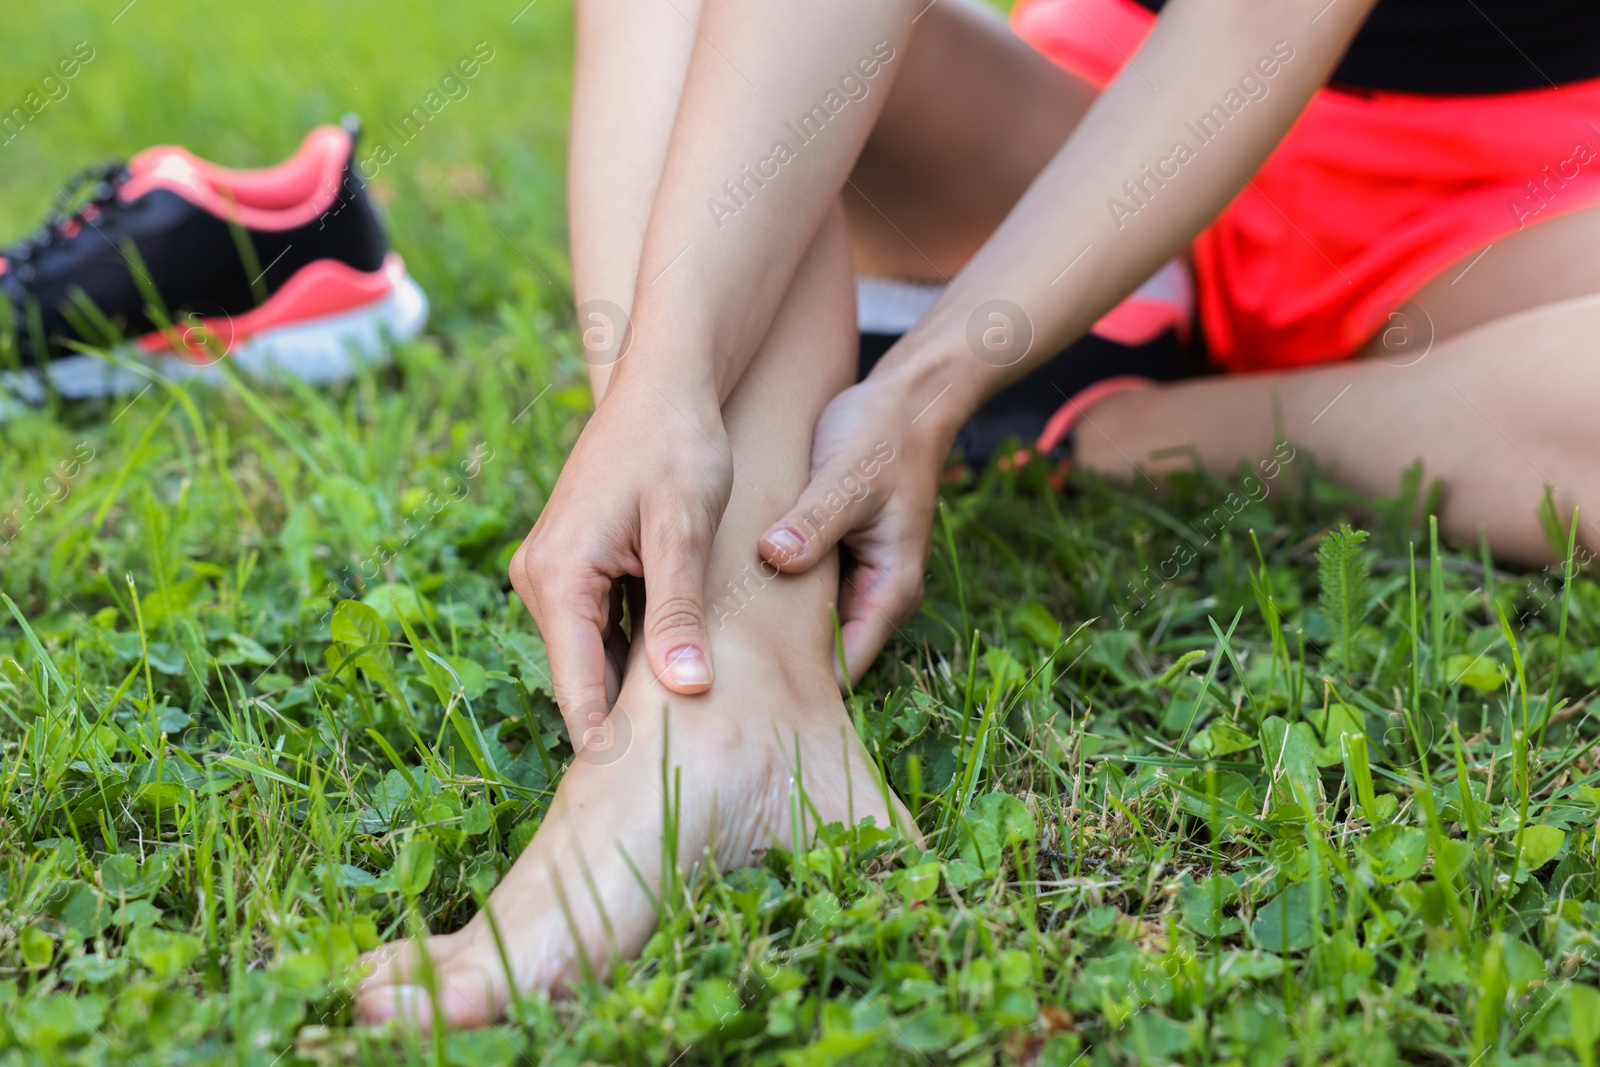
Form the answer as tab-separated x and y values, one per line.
179	262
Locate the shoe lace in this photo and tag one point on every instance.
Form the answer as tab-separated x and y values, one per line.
68	211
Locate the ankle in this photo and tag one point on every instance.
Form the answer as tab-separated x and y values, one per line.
762	613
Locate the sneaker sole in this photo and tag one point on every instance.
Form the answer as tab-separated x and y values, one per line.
319	351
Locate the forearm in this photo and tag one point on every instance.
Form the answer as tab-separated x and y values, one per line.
1149	166
776	106
629	68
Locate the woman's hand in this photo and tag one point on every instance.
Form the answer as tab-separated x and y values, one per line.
875	471
641	494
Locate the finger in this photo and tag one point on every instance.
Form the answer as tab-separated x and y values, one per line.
802	538
577	654
571	609
674	551
875	600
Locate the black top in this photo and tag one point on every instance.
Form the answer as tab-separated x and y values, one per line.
1462	47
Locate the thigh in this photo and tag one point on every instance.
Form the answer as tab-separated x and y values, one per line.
1499	413
1550	261
972	117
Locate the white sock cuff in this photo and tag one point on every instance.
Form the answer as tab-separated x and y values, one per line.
886	305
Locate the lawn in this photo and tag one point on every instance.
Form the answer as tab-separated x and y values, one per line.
1206	777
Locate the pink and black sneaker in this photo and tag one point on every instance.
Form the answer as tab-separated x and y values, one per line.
179	262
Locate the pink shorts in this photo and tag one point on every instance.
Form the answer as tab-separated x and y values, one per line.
1369	197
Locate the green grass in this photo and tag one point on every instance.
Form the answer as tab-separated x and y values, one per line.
1205	778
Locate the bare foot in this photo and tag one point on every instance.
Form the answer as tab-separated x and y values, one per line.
581	893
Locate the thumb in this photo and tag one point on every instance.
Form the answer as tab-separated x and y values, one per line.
802	538
675	637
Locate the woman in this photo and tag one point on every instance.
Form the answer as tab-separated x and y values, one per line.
732	165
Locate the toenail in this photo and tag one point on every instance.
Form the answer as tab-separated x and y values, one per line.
407	1002
687	665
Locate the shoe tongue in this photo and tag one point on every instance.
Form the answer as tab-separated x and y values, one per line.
170	166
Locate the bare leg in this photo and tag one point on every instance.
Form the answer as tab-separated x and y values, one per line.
1499	408
1548	262
770	753
973	116
582	893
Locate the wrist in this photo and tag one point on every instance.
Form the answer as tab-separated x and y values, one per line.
680	369
938	385
675	346
665	382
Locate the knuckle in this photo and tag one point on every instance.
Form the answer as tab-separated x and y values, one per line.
675	615
527	568
519	574
675	526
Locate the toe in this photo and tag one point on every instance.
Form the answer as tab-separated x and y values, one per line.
471	993
471	987
398	962
408	1003
391	979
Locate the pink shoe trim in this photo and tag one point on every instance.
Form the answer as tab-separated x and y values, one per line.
1139	320
280	197
1062	422
317	290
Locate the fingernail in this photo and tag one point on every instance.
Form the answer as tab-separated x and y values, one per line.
687	665
787	541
